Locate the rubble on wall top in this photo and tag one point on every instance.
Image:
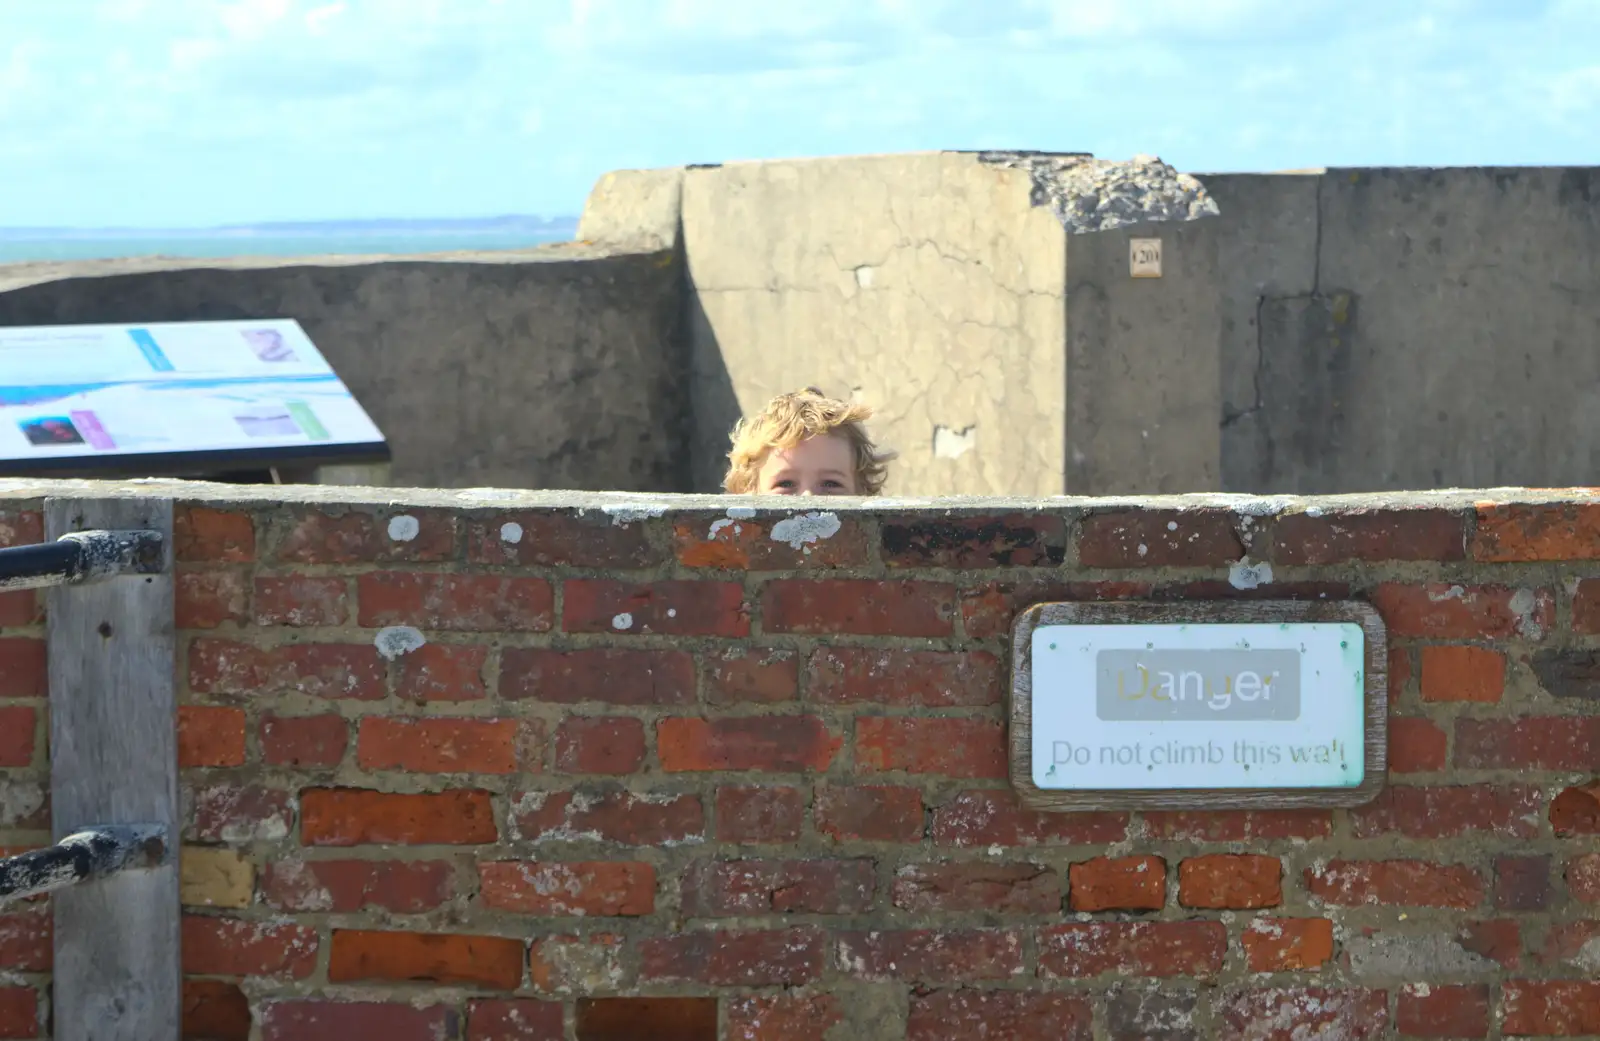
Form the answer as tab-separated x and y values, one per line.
1088	194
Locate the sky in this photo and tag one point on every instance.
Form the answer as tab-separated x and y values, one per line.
192	113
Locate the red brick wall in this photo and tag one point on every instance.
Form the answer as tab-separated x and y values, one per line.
780	781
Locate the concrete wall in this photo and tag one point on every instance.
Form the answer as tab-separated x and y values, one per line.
559	367
776	791
1351	330
926	284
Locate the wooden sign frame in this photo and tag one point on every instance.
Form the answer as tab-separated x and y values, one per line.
1375	726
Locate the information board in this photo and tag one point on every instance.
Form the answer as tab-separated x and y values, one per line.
115	398
1269	704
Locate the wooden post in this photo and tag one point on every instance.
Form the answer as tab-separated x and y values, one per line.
113	761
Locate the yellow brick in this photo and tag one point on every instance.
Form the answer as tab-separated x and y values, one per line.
215	878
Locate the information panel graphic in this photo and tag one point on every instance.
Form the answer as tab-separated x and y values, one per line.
113	397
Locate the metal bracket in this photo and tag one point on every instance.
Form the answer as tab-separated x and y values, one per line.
83	856
80	557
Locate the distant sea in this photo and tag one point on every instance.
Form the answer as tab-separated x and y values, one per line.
285	240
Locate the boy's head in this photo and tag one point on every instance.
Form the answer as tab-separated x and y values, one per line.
805	443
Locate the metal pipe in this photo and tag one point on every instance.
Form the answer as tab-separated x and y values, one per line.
82	556
82	856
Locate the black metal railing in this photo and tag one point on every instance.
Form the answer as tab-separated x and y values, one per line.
82	857
82	556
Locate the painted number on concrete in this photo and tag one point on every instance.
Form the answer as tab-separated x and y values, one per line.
1144	258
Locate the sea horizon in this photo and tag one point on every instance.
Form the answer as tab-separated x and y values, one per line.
285	238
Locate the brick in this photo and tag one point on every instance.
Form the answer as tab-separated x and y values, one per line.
231	947
781	957
576	964
1500	941
1012	540
1431	1010
202	535
1159	538
23	668
455	603
319	670
869	814
235	813
304	741
19	1012
1151	1015
1371	536
1416	745
658	1019
321	1020
208	599
790	1016
1576	811
600	745
774	744
1522	532
1288	944
1118	884
929	956
487	961
210	735
560	538
434	745
990	609
771	543
1015	1015
1586	607
606	888
314	537
18	729
26	940
1509	810
1443	611
1231	881
884	676
1084	950
1222	589
623	817
1292	1014
751	816
344	886
671	608
762	676
1557	1008
1463	674
442	672
862	607
1238	825
25	806
214	877
720	888
1395	883
1583	878
943	746
21	528
1529	743
607	677
21	608
1569	675
977	886
997	818
1521	883
1571	944
355	817
214	1010
301	600
519	1019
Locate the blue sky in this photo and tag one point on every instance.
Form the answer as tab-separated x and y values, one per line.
197	112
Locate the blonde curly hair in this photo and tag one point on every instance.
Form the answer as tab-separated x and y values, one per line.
789	419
